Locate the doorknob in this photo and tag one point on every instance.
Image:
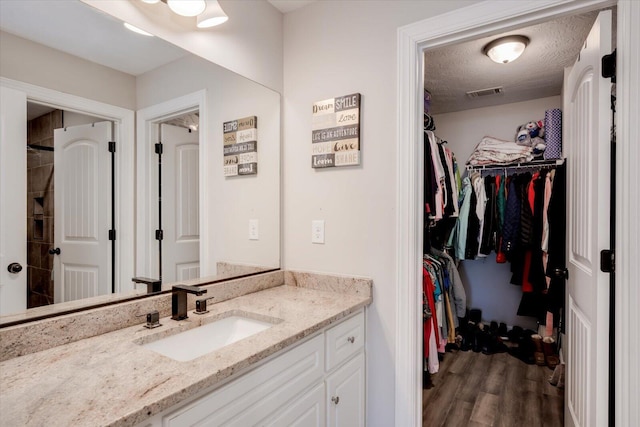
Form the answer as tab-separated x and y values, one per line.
561	273
14	268
54	251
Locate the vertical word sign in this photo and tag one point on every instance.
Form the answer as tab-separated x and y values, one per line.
241	146
335	132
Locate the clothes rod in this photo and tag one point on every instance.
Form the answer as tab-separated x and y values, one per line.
524	165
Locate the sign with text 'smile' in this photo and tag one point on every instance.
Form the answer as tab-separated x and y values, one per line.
241	146
335	132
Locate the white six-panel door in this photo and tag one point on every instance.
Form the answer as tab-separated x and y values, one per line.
13	199
587	121
82	177
180	193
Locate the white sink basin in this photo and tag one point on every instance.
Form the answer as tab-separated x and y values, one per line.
196	342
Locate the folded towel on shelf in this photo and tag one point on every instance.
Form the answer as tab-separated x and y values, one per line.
493	150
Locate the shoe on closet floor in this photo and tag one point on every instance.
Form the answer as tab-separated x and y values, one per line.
538	354
550	353
502	331
557	373
525	349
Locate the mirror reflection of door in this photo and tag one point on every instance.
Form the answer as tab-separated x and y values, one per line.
179	249
68	206
82	177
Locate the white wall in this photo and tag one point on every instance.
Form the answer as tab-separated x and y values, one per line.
249	43
234	200
333	49
33	63
487	282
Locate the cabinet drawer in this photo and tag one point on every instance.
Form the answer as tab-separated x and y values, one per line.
344	340
258	393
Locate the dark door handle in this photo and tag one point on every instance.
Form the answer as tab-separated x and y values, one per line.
561	273
14	268
54	251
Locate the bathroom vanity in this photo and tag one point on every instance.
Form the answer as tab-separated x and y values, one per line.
307	366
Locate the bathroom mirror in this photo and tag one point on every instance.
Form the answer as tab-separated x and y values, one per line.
174	199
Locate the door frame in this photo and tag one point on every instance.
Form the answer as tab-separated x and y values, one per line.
123	120
146	118
478	20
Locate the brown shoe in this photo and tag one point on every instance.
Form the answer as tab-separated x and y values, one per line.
550	352
538	354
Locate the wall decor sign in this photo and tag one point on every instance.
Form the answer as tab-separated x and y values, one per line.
335	132
241	146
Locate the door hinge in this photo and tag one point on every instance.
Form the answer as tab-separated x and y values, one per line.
112	146
609	66
112	234
159	234
607	261
158	148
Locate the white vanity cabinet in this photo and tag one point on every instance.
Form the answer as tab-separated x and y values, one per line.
320	382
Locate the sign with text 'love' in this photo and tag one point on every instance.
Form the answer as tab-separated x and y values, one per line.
335	132
241	146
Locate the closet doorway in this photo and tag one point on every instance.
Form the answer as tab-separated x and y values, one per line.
522	92
493	18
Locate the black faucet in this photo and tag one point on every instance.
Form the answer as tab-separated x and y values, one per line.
153	285
179	299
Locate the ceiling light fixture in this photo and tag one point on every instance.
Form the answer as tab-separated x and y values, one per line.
209	12
506	49
187	7
136	30
213	15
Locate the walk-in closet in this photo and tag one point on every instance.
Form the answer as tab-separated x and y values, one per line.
507	179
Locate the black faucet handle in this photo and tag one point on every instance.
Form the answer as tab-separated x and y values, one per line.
153	319
201	305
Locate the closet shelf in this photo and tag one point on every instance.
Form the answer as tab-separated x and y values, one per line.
523	165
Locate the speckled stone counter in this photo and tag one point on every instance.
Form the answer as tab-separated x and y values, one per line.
110	380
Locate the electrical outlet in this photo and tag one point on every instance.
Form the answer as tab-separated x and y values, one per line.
317	231
253	229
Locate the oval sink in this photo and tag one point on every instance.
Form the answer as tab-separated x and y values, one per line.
196	342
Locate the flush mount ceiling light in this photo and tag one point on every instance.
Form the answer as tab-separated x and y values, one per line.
209	12
136	30
187	7
506	49
213	15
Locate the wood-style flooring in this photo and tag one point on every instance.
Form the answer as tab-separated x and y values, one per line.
473	389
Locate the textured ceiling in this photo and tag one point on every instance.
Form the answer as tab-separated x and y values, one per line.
453	70
286	6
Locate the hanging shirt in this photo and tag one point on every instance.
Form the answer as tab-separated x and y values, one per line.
463	218
438	168
481	204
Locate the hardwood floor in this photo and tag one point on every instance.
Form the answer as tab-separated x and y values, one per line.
473	389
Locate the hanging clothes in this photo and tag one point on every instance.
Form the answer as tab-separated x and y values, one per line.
520	215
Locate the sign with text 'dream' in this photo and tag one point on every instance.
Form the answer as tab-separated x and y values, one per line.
241	146
335	132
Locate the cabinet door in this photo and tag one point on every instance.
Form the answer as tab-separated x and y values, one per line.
255	395
345	394
307	411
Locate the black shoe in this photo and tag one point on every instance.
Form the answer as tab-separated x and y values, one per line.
502	330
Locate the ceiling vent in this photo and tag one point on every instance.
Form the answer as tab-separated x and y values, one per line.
485	92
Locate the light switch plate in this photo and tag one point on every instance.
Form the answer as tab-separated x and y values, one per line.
253	229
317	231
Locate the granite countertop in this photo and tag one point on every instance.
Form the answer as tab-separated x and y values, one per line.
109	380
